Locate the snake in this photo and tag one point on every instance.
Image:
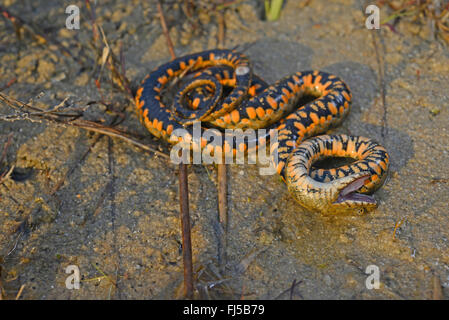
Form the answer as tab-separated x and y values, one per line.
220	91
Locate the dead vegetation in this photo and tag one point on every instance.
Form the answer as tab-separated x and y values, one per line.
433	13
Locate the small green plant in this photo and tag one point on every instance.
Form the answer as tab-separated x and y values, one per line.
273	9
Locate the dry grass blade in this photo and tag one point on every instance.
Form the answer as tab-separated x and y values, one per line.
20	292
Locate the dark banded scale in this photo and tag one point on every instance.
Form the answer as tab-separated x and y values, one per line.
250	103
333	190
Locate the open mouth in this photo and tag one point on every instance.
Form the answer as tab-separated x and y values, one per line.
349	192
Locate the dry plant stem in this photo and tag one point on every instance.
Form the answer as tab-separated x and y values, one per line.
291	290
165	30
92	126
379	52
221	29
186	235
51	115
183	192
222	212
222	177
20	292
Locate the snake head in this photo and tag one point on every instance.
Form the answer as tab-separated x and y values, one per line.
337	196
346	197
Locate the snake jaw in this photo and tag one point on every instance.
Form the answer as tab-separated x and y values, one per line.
347	198
337	196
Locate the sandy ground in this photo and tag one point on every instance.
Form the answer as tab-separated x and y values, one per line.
117	212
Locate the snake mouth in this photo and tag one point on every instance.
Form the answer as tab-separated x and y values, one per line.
349	193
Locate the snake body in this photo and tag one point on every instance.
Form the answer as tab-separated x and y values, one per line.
224	93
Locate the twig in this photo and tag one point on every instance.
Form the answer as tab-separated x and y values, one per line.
221	29
105	275
165	30
112	132
93	19
15	243
183	192
396	227
186	236
222	176
5	175
20	292
114	65
222	212
291	290
382	84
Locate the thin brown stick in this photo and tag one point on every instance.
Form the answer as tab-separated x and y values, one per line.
291	290
93	20
115	133
186	236
381	80
222	213
183	192
222	176
221	29
165	30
